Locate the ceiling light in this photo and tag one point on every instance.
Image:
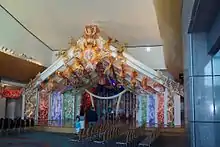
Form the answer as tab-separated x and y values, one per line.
148	49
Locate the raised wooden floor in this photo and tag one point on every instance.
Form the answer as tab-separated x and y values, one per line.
55	129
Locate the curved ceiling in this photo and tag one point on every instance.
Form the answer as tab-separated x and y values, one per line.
16	38
54	21
129	21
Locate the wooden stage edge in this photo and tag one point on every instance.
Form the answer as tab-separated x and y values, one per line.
164	131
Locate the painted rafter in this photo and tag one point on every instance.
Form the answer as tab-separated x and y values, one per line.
130	61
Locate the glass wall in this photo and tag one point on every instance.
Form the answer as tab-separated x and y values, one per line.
216	85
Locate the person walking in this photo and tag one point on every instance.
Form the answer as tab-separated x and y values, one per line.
92	117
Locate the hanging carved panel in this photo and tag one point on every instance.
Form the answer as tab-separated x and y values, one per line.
151	109
56	107
144	109
43	107
30	104
170	110
68	109
160	113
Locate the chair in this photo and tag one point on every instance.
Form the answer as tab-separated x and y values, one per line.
6	126
121	140
1	125
18	125
22	125
27	125
32	122
11	126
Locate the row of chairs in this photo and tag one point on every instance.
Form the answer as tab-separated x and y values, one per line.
94	131
99	134
140	137
110	136
113	132
15	125
150	136
131	138
119	135
86	134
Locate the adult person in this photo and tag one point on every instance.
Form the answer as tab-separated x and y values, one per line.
92	117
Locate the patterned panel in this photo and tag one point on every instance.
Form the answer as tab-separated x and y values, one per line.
177	110
134	101
30	105
127	100
165	107
160	113
43	107
56	107
139	110
151	109
144	109
68	108
77	104
170	110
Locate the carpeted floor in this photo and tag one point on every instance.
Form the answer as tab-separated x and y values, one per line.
36	139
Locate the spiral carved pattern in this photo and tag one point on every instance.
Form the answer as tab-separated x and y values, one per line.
43	107
144	109
170	104
151	110
56	109
68	106
30	105
160	113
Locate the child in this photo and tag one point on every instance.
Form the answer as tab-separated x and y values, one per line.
77	124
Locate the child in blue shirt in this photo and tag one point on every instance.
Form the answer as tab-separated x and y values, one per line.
77	124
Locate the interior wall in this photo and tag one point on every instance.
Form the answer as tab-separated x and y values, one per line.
166	73
10	108
15	37
18	107
54	57
2	107
153	58
13	108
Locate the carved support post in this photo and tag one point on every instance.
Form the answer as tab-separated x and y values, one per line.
22	106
